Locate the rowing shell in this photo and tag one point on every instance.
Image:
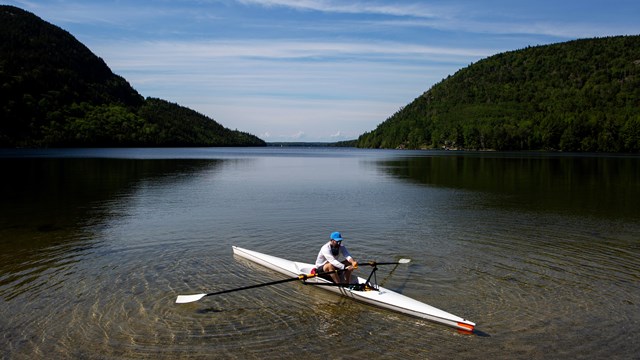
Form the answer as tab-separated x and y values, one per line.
380	296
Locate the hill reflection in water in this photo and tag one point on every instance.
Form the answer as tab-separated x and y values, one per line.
586	185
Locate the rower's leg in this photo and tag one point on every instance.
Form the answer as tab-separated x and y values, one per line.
348	276
347	273
330	268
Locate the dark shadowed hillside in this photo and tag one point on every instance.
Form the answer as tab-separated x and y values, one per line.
55	92
582	95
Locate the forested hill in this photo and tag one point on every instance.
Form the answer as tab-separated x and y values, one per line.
581	95
55	92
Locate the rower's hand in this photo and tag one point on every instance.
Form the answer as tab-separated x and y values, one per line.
354	264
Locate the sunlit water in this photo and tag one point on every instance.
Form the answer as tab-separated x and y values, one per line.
541	251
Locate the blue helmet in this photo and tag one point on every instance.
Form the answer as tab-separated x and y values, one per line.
336	236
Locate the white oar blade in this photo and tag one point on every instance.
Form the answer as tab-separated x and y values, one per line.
404	261
189	298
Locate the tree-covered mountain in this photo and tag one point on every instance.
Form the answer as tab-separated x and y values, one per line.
582	95
55	92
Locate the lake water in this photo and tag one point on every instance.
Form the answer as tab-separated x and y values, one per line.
540	250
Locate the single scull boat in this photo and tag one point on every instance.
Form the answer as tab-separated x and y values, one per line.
363	290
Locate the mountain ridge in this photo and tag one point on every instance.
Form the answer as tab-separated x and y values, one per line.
55	92
581	95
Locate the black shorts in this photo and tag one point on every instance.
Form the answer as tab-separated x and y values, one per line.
320	270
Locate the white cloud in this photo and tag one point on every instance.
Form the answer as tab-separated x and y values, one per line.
415	9
298	135
271	87
150	53
471	16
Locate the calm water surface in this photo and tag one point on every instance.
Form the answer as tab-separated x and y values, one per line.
541	251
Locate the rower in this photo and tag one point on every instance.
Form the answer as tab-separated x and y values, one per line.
328	260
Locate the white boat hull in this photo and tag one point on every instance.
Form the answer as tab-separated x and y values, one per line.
382	297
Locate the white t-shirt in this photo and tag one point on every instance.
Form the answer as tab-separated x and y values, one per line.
325	256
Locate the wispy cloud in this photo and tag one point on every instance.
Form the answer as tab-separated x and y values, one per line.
284	69
167	52
462	16
415	9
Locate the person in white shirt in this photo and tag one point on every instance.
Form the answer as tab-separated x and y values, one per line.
328	259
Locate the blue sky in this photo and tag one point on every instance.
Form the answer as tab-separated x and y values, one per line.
314	70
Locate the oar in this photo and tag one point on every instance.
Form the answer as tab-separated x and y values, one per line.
191	298
401	261
375	263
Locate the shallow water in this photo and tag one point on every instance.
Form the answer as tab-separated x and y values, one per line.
541	251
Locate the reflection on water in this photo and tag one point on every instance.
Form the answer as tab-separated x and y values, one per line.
599	185
48	204
64	189
540	251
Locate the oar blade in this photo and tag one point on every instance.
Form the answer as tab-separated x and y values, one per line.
182	299
404	261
